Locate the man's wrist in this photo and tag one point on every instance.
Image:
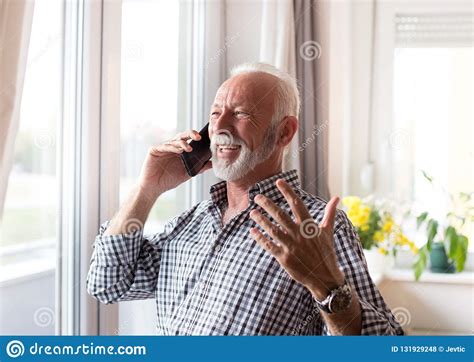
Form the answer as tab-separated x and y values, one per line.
320	289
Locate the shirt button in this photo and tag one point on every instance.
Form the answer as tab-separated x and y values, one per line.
218	248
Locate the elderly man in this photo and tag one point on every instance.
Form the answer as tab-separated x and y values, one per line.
262	256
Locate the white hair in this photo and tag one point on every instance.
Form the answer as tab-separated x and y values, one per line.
287	101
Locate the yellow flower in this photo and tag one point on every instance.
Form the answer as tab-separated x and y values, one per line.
378	236
359	214
351	201
401	239
383	251
413	248
387	226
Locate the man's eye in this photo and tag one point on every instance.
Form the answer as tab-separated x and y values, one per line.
240	113
214	113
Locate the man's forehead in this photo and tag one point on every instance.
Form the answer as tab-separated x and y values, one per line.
245	89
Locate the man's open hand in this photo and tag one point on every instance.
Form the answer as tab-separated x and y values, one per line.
303	248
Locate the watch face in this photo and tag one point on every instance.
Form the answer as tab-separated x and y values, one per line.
341	299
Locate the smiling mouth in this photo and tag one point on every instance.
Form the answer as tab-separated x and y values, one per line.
228	148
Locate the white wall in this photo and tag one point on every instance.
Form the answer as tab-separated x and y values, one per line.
27	305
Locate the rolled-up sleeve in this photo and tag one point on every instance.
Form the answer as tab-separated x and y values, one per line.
377	319
123	267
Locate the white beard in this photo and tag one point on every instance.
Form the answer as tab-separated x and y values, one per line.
247	159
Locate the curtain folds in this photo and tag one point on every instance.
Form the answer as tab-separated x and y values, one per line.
277	47
311	63
16	17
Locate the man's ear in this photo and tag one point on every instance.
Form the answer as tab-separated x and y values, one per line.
289	126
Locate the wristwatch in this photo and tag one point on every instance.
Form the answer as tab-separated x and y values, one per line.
338	299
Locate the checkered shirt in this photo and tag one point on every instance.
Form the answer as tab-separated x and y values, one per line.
209	279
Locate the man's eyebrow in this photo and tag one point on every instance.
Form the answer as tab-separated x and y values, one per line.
233	105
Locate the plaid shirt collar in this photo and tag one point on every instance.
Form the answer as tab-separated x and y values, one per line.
265	187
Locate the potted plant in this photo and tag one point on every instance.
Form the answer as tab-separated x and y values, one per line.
379	234
446	246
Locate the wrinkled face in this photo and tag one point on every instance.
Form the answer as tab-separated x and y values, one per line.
240	127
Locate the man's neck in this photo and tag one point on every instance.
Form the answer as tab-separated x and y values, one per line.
237	191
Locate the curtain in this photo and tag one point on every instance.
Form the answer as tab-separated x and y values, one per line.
277	47
311	62
16	18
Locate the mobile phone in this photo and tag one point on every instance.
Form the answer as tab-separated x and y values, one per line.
195	160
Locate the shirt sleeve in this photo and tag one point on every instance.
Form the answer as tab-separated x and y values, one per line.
125	266
377	319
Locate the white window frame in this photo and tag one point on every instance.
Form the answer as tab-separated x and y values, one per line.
89	185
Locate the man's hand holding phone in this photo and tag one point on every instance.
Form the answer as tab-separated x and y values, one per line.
163	168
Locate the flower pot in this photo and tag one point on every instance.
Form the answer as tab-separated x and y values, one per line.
377	262
439	262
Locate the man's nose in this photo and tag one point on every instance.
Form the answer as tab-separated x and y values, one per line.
223	122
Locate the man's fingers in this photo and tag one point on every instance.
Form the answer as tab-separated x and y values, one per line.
184	145
297	206
186	135
330	213
169	147
265	243
276	212
273	230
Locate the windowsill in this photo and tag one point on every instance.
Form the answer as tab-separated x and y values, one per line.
406	275
26	271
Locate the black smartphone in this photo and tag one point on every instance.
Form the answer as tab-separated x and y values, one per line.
195	160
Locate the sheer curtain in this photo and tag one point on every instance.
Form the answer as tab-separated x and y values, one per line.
292	40
16	18
277	47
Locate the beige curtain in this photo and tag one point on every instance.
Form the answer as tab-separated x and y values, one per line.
16	17
311	66
277	47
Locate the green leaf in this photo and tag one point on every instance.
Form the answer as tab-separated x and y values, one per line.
426	176
451	240
420	264
464	196
461	252
432	229
420	219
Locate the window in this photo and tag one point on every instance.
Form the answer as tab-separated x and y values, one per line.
433	115
148	116
149	93
29	229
